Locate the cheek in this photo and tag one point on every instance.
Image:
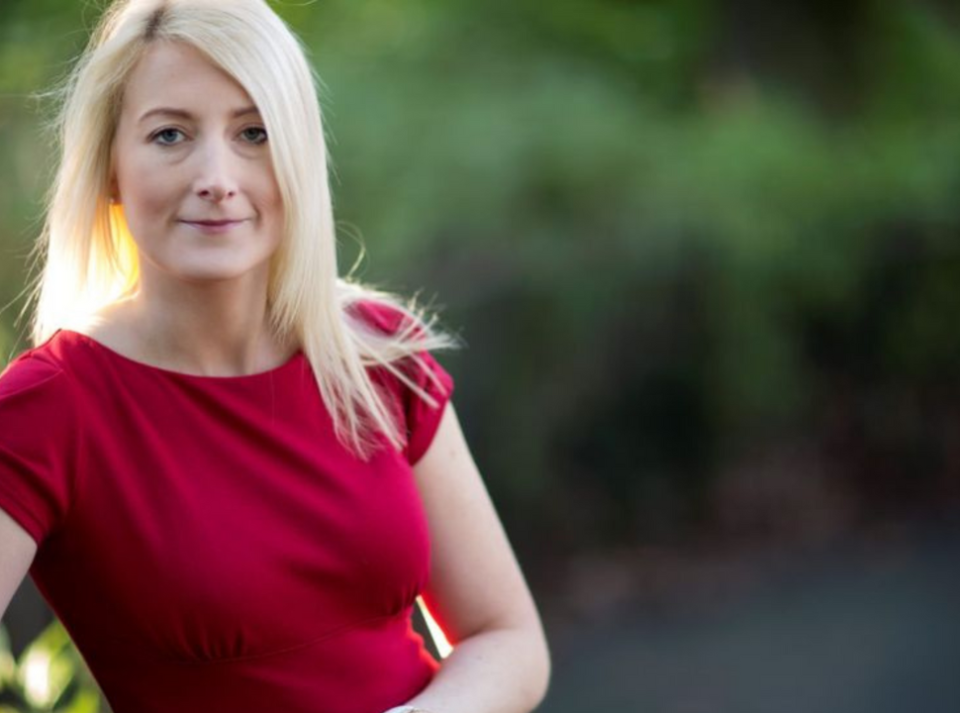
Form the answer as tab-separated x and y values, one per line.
271	201
145	188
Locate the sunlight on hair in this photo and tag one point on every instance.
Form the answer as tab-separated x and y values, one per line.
68	307
126	250
436	633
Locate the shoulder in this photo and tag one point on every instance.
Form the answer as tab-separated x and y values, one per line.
40	436
43	369
380	316
25	374
29	372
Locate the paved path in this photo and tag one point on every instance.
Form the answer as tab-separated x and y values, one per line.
855	631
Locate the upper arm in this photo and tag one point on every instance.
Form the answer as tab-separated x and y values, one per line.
475	580
17	550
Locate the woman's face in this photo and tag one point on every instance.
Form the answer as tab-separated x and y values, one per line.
192	170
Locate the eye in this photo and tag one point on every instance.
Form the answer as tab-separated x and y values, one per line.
254	134
167	137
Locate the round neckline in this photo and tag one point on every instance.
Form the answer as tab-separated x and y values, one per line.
294	358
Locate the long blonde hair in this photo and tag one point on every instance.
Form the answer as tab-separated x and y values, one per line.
89	258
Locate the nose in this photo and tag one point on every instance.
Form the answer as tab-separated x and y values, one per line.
215	179
215	193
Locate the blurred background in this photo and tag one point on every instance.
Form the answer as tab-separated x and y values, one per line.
705	259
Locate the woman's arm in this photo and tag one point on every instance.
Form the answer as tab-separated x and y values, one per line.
17	550
500	662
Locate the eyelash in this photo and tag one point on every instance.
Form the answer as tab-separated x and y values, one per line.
155	136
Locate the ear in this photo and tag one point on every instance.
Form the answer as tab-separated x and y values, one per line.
114	189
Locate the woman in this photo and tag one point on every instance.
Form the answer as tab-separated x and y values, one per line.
222	465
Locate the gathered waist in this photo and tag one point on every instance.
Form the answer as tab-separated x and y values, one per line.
364	667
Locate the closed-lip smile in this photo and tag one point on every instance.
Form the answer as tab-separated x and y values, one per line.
226	221
214	226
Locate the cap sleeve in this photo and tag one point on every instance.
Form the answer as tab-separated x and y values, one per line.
36	445
422	418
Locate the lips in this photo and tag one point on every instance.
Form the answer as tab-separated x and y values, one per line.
214	227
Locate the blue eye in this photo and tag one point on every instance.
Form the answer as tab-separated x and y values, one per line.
167	137
254	134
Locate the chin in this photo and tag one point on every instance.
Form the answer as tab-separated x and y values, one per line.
215	271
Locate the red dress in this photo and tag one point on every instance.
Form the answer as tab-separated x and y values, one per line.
208	542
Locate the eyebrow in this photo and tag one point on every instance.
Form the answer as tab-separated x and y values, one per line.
183	114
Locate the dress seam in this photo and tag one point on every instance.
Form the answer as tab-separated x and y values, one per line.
295	647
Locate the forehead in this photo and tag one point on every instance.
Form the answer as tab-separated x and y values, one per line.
178	75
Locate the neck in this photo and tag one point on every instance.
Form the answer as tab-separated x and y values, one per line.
212	328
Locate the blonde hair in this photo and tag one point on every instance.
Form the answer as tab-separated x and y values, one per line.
89	258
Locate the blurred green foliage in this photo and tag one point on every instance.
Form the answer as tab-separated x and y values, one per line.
48	676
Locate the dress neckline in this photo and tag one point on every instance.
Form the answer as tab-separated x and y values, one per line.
144	366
